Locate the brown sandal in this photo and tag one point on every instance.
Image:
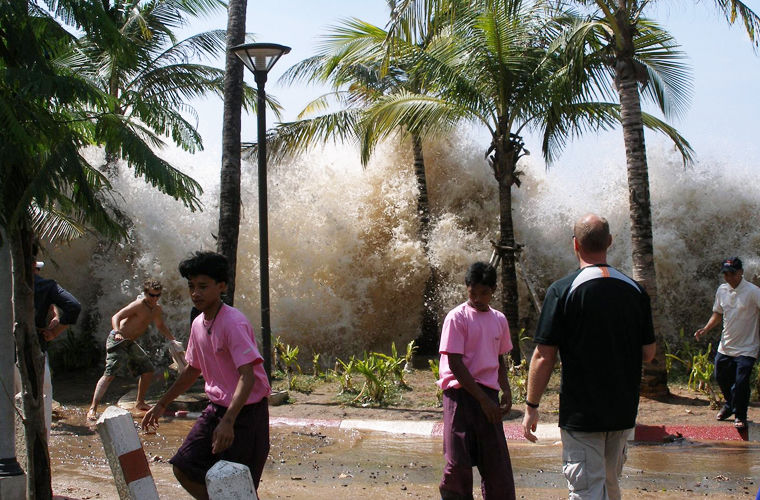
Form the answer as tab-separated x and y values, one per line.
740	424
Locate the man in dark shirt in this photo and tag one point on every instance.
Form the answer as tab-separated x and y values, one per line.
55	309
600	322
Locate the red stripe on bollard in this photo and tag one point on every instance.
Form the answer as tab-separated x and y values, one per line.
135	465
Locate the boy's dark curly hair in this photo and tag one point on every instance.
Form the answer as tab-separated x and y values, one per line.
211	264
481	273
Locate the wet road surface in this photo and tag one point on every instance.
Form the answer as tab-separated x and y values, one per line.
330	464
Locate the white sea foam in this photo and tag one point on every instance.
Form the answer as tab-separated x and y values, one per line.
347	268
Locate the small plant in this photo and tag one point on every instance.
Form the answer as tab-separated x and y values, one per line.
398	365
302	384
518	379
700	370
434	367
376	369
277	347
346	377
701	376
289	357
410	350
684	355
315	367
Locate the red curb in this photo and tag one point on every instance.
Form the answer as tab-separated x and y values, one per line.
514	432
664	433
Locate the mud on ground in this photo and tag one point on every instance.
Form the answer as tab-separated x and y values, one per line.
80	470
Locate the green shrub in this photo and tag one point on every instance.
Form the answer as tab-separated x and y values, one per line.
376	369
435	368
518	379
345	373
289	358
316	369
74	350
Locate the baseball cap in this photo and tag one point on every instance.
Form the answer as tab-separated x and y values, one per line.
39	265
731	265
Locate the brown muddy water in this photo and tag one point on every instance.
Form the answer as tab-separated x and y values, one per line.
330	464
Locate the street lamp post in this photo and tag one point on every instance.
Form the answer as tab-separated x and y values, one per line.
259	58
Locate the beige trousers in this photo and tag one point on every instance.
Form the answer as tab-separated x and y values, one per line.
592	463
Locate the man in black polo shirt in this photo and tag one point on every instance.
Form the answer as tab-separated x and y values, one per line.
600	321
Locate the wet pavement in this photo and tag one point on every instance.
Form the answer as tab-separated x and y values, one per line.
329	463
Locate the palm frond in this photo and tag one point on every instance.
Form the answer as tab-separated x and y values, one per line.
669	78
680	142
733	10
296	137
54	225
423	115
140	156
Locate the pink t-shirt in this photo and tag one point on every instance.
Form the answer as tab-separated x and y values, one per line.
230	345
480	336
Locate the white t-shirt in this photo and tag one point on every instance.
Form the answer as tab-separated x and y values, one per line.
740	308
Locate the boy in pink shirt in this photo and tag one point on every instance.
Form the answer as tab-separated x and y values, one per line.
222	347
472	370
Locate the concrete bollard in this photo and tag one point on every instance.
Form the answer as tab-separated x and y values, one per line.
230	481
125	454
13	487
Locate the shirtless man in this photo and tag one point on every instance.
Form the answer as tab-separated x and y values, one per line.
123	354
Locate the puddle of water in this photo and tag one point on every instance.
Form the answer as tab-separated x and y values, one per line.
330	464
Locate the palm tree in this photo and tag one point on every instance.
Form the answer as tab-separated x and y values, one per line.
43	113
631	50
229	186
492	68
499	66
130	52
48	113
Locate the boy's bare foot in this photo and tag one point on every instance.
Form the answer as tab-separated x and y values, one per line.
142	406
92	415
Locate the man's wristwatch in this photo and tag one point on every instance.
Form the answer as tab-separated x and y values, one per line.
531	405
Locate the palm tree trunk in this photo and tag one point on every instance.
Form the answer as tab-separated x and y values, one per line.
504	163
655	378
428	340
31	364
229	188
111	165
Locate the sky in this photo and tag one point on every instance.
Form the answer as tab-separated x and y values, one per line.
721	123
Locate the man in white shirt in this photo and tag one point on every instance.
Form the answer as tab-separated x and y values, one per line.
737	305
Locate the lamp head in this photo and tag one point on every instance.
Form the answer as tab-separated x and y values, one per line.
259	57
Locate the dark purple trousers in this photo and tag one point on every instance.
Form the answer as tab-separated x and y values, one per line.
470	440
250	446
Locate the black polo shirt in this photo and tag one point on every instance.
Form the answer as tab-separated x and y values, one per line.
599	318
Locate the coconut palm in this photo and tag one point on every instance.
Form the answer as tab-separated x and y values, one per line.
499	66
229	185
493	68
43	111
129	50
48	113
631	51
